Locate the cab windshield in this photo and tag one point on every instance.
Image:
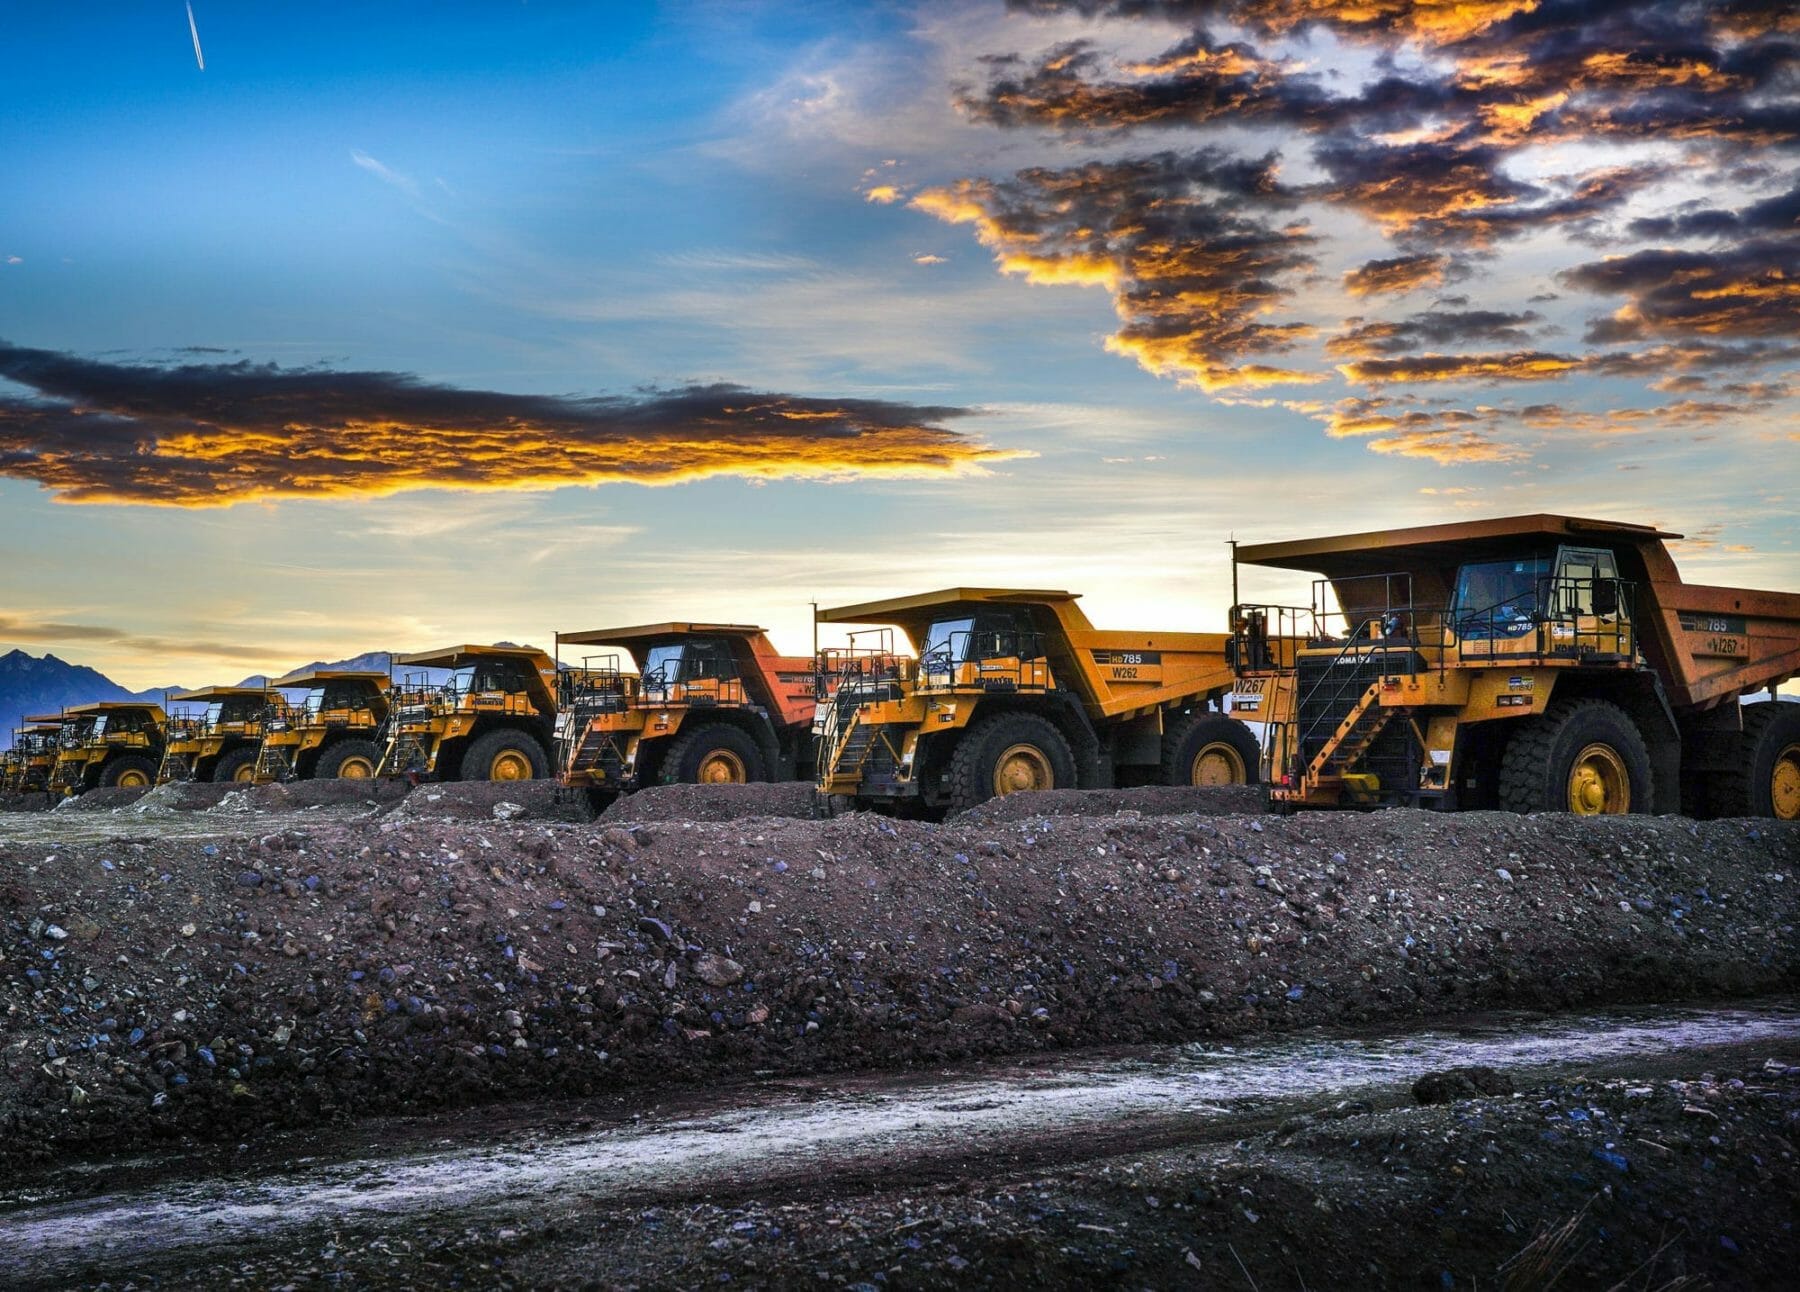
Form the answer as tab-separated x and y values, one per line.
947	641
662	664
1499	598
335	695
486	675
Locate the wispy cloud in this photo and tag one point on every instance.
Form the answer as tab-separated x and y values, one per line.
386	174
44	632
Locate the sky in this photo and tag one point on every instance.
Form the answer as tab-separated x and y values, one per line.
403	325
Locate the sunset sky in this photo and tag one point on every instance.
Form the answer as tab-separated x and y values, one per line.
409	324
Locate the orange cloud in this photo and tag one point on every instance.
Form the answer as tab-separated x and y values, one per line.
1395	276
1193	250
219	434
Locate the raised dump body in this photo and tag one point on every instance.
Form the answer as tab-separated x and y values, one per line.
116	743
333	733
492	718
220	741
1535	663
701	704
1016	690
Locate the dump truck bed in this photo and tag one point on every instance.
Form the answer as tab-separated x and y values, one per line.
784	682
314	677
1708	644
1117	674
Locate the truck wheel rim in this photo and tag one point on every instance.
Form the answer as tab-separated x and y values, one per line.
1784	784
721	767
356	768
1217	764
245	773
510	765
1598	783
1022	767
132	780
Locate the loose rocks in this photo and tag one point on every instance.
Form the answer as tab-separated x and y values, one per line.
714	802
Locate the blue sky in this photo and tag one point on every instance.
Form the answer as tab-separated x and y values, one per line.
583	200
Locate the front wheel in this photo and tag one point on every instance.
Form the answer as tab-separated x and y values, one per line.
238	766
505	755
129	772
348	760
1581	756
714	753
1210	749
1010	753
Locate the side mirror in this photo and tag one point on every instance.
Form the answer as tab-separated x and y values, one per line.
1606	598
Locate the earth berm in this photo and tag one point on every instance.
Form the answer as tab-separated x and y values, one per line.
290	970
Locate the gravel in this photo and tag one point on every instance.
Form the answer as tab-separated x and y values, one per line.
1148	800
407	962
714	802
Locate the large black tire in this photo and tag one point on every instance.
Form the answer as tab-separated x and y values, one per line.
1008	749
1584	756
713	753
235	766
348	760
1766	781
1209	749
129	770
505	754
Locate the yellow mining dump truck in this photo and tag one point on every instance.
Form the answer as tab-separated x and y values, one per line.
708	704
492	719
25	768
116	743
1015	690
221	743
1531	663
334	732
37	749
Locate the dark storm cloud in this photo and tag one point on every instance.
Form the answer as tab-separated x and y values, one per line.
204	434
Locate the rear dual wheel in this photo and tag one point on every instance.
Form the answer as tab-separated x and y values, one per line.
1209	749
1766	781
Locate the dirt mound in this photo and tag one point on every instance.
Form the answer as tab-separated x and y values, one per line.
714	802
184	796
1146	800
25	802
103	800
216	985
491	801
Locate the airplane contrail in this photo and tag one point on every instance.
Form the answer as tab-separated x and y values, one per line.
198	56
